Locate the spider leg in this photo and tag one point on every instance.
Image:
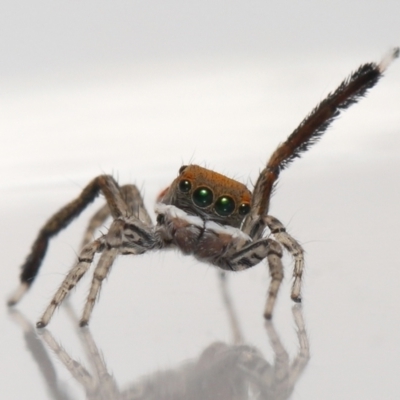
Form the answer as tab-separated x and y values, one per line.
61	219
274	259
128	236
95	223
134	201
125	236
309	131
114	243
100	273
250	255
291	245
294	248
85	259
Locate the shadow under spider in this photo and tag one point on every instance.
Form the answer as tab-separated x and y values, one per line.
236	371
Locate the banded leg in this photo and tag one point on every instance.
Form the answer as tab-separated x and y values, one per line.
100	273
294	248
274	259
134	201
251	255
95	223
61	219
123	237
85	259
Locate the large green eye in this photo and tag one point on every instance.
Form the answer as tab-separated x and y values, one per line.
244	209
225	206
185	186
202	197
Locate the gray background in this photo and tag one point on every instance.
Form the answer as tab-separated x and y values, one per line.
136	89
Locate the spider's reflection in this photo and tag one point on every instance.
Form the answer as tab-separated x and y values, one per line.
223	371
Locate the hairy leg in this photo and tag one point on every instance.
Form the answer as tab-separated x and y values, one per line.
100	273
125	236
134	201
95	223
250	255
113	245
274	259
61	219
294	248
85	259
310	130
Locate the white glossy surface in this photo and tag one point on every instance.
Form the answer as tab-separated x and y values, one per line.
206	96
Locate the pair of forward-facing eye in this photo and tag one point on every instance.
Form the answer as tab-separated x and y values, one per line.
203	197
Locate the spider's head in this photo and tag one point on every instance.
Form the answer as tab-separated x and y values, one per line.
209	195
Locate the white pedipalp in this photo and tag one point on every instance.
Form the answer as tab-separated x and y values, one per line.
235	233
175	212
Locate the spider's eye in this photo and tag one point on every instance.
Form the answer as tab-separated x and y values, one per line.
244	209
185	186
202	197
225	206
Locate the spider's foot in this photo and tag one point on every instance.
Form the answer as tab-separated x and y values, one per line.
268	315
389	57
269	306
83	323
11	302
296	299
296	290
40	324
18	294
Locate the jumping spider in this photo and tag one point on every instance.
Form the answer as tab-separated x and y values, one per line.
202	213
